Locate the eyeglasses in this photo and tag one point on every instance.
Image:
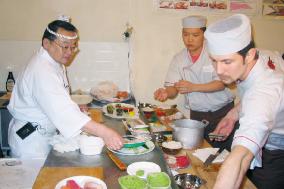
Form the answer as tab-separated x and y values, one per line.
65	48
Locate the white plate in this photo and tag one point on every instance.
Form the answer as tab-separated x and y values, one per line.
147	167
112	99
81	99
135	116
135	151
81	180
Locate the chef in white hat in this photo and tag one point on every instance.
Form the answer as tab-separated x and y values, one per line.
259	142
191	74
40	103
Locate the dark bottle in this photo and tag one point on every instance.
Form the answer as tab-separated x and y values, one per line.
10	82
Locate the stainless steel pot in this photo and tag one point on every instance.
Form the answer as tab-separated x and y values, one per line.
189	132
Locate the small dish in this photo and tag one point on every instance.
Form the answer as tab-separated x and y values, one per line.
143	168
171	147
158	181
187	180
128	181
82	99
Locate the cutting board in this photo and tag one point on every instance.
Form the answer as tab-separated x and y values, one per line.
96	115
48	177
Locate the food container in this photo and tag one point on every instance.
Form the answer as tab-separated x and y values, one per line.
91	145
159	180
132	181
189	132
171	147
188	181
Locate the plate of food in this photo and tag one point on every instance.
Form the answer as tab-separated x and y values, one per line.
143	168
121	111
83	182
131	141
108	92
143	149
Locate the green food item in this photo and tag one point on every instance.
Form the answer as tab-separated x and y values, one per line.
132	182
110	109
140	173
158	180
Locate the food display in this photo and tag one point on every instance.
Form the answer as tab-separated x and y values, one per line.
81	182
120	110
107	91
177	162
144	149
132	182
158	180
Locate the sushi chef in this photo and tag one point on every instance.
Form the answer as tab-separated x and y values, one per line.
259	142
40	103
191	74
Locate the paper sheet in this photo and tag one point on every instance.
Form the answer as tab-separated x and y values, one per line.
19	176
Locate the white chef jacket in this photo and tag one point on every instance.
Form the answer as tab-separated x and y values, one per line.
262	109
41	96
200	72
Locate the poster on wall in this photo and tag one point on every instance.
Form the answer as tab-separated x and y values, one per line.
273	8
244	6
194	5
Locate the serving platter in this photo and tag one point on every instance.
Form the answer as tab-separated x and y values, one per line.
137	150
111	100
128	111
144	167
81	180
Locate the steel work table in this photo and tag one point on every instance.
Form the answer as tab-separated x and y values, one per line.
111	172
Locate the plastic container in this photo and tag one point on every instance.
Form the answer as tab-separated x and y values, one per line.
158	181
132	182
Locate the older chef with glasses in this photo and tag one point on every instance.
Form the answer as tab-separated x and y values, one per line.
40	103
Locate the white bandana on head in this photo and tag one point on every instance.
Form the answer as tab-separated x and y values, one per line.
228	35
65	19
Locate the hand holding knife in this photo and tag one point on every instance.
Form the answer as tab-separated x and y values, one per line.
212	157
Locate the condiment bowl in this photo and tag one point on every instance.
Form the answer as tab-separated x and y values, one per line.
171	147
188	181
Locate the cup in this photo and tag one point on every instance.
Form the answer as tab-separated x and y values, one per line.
91	145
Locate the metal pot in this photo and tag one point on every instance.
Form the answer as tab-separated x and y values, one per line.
189	132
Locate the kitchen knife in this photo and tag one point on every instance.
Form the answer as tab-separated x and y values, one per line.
120	164
212	157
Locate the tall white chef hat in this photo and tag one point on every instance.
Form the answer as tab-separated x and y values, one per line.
228	35
194	22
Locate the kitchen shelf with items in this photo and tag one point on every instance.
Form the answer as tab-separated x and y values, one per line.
273	9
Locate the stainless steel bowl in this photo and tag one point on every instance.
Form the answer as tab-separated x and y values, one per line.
188	181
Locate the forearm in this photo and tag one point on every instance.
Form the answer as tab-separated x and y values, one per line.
234	168
171	91
208	87
234	112
93	128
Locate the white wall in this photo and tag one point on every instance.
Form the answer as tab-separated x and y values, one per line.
155	39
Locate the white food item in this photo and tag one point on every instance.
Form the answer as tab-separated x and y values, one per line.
105	90
172	145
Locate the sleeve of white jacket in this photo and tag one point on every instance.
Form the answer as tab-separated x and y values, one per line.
56	103
258	109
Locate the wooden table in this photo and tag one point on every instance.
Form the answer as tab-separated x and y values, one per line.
210	173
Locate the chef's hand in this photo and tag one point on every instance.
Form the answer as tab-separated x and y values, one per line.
161	94
184	86
224	128
111	138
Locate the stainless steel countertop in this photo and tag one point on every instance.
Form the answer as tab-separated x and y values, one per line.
111	172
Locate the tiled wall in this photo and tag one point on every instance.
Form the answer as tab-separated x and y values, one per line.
94	63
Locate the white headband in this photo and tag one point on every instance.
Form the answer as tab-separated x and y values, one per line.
60	35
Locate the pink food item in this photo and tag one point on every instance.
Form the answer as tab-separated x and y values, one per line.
92	185
72	184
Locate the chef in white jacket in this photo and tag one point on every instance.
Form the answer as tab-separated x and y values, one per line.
259	142
40	103
191	73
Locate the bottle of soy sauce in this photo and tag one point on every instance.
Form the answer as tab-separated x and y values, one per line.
10	82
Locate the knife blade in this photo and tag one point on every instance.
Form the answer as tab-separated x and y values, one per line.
212	157
120	164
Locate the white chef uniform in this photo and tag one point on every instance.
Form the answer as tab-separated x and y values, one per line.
261	96
41	96
200	72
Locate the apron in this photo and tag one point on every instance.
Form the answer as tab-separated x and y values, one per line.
36	145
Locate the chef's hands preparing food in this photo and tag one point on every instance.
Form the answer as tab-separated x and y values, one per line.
161	94
111	138
226	125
